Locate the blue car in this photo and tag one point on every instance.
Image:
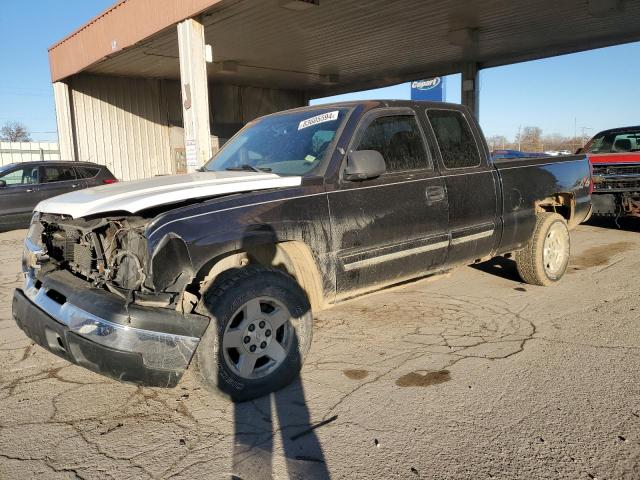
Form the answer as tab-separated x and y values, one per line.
496	154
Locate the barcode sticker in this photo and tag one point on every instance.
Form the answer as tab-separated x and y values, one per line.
325	117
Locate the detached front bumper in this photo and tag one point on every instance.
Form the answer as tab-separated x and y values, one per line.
97	330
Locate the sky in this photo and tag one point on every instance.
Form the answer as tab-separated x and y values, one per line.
588	91
27	29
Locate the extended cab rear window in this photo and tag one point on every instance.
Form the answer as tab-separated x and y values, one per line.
456	141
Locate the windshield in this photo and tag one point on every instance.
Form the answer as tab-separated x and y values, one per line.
615	142
4	168
286	144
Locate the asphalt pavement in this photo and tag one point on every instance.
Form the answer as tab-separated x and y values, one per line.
473	375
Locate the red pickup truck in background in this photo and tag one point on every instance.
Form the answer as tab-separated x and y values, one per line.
615	158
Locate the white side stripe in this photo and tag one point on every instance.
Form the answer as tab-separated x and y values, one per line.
472	237
395	255
414	251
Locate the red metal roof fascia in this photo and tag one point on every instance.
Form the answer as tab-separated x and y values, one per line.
121	26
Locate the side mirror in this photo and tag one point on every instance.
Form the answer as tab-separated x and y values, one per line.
3	184
364	164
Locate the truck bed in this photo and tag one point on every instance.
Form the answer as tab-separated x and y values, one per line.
526	181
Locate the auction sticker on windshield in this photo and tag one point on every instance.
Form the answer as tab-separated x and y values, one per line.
325	117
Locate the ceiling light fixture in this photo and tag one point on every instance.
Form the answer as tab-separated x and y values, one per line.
329	78
463	37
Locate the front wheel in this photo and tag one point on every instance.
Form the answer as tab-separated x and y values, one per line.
260	332
544	259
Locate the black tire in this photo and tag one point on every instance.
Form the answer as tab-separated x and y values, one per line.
530	259
232	292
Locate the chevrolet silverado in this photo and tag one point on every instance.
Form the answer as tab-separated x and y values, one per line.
223	268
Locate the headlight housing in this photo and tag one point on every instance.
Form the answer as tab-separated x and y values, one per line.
35	229
34	253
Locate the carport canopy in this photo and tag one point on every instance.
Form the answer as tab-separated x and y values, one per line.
326	47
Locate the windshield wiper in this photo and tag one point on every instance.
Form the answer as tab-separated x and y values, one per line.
251	168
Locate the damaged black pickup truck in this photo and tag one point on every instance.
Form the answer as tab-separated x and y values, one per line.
223	268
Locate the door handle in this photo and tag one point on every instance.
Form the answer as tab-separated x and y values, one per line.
29	190
435	194
75	185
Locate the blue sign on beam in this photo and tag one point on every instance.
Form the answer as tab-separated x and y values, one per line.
431	89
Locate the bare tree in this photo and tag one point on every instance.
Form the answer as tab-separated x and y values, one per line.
530	139
498	142
555	141
14	132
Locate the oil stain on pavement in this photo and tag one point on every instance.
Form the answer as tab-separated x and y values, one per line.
355	374
415	379
599	255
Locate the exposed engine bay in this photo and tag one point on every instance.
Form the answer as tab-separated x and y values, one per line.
108	252
112	253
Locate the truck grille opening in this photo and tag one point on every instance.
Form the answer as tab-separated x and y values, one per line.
616	170
72	248
109	253
83	257
617	178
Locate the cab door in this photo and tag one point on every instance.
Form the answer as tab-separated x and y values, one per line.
472	185
393	227
18	196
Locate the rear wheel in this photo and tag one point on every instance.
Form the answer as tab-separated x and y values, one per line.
544	259
260	332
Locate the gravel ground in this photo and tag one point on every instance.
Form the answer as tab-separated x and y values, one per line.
474	375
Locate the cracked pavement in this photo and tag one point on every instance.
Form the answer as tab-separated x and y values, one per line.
474	375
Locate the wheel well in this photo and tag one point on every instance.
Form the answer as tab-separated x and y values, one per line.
292	257
561	203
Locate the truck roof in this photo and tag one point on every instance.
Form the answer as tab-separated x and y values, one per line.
619	129
369	104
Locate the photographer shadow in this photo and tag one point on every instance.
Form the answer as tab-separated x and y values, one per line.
284	415
255	435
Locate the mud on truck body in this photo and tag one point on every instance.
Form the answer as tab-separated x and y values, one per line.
222	269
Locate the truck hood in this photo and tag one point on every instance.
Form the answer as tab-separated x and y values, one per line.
631	157
139	195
